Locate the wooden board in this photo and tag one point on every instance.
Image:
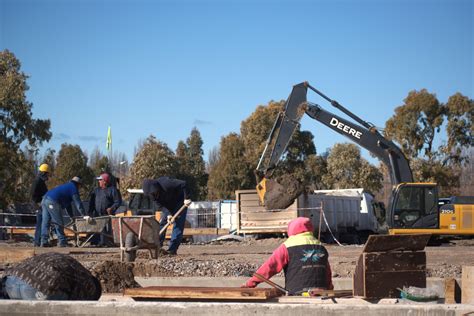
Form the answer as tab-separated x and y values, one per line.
395	261
12	255
378	275
379	243
204	293
254	218
452	292
467	282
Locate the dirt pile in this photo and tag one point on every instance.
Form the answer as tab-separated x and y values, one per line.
114	276
281	192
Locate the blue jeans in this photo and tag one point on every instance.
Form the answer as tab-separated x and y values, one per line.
178	227
17	289
52	214
39	220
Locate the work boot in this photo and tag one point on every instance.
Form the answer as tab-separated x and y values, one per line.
45	245
62	245
172	253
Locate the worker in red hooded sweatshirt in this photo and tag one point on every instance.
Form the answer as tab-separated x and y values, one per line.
303	258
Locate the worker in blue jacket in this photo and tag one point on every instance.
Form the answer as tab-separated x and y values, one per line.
54	201
169	194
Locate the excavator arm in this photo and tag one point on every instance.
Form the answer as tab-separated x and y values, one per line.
365	135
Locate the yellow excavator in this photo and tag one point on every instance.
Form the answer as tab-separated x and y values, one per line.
413	207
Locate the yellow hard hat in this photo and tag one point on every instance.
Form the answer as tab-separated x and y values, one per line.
44	168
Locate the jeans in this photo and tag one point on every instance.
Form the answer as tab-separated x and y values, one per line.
52	214
39	220
17	289
178	227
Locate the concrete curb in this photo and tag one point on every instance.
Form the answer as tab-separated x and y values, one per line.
11	307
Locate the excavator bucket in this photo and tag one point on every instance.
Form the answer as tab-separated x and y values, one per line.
277	196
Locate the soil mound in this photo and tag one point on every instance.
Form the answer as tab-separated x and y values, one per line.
114	276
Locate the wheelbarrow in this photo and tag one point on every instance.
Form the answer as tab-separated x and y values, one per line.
88	227
136	232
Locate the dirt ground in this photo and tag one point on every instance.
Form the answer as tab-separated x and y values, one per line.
241	258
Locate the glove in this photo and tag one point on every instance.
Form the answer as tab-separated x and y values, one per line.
170	219
88	219
187	202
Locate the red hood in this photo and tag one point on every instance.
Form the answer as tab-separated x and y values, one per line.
300	225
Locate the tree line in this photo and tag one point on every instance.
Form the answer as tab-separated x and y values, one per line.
416	125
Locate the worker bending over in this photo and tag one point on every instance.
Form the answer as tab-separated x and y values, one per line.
169	194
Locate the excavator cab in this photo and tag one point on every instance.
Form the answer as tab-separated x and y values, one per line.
414	205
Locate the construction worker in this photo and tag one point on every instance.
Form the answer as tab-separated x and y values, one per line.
54	201
49	276
303	258
170	195
104	200
38	190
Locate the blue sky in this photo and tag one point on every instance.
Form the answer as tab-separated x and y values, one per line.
164	67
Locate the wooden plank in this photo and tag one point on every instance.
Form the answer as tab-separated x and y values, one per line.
249	197
452	292
467	282
191	292
358	281
395	261
285	215
268	224
12	254
245	230
252	209
378	243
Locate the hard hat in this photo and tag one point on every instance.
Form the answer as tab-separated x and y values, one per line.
44	168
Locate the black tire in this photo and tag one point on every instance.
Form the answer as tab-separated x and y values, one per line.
130	241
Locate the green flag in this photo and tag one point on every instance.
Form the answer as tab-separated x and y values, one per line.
108	144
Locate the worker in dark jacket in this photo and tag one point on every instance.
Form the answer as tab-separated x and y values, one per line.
49	276
53	203
104	200
38	190
169	194
302	257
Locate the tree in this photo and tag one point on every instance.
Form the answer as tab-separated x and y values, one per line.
70	162
49	157
16	119
347	169
154	159
17	126
460	113
98	162
255	130
191	165
418	121
231	172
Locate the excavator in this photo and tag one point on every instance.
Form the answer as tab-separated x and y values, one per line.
413	206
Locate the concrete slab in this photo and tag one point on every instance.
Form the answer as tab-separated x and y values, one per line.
11	308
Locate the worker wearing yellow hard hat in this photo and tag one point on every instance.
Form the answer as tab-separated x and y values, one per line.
38	190
44	168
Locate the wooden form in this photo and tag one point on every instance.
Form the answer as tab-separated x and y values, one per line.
254	218
452	292
14	254
467	281
390	262
203	293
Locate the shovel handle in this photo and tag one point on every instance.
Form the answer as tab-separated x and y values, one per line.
172	219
